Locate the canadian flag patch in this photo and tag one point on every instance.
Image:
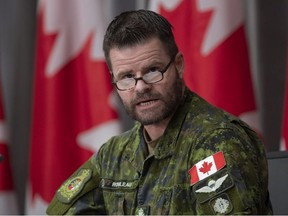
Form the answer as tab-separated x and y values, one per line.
207	167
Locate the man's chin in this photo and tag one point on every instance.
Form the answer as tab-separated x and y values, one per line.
148	120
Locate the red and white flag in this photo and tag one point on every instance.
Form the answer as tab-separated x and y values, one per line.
207	167
73	107
284	139
211	35
8	202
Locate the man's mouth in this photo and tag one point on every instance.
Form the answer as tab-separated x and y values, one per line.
146	102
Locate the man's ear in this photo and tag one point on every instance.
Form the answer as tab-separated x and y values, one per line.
179	63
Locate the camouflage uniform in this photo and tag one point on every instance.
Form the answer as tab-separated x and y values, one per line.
124	179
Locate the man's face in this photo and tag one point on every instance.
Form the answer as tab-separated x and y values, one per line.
149	103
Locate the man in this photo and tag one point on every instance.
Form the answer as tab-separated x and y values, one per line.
183	156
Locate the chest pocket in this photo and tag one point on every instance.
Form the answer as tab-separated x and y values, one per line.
175	200
119	196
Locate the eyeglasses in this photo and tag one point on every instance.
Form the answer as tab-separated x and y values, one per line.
153	76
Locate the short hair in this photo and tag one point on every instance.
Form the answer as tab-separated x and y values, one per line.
135	27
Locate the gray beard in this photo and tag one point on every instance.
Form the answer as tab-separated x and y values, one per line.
156	116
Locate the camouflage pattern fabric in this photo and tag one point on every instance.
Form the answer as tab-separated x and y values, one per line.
122	178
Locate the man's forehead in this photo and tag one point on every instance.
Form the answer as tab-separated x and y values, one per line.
150	47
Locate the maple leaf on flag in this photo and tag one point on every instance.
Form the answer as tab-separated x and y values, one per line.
74	108
206	167
212	37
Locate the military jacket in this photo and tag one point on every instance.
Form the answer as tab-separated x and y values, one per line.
206	162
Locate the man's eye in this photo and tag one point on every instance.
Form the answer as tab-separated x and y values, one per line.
126	76
153	69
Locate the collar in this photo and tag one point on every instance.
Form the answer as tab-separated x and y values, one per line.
167	143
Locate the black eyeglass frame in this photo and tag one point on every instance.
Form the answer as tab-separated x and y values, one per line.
141	78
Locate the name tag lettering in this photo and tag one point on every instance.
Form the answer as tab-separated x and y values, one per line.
122	184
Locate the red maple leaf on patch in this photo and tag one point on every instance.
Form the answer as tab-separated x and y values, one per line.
206	167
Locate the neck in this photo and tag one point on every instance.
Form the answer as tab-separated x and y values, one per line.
157	130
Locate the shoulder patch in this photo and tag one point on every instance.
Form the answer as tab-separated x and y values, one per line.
207	167
213	186
221	204
73	186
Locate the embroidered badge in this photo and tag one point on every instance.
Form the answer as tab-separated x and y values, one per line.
73	186
212	185
207	167
221	204
142	210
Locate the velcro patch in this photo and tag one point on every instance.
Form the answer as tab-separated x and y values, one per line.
221	204
118	184
207	167
142	210
213	185
73	186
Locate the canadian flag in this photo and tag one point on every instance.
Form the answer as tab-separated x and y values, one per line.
73	107
211	35
8	202
284	140
207	167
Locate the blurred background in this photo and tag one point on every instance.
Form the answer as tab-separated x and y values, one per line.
59	106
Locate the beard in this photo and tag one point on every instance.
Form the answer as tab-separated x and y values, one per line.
169	103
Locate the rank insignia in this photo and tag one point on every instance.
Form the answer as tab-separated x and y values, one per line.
221	204
73	186
142	211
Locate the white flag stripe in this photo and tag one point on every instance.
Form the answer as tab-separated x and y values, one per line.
85	22
70	63
213	169
94	138
227	17
168	5
8	203
36	207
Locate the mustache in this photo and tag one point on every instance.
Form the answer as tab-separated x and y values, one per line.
145	96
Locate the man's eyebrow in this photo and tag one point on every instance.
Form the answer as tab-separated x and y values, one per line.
121	73
142	69
152	64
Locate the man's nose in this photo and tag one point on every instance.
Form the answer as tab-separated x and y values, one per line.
141	85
